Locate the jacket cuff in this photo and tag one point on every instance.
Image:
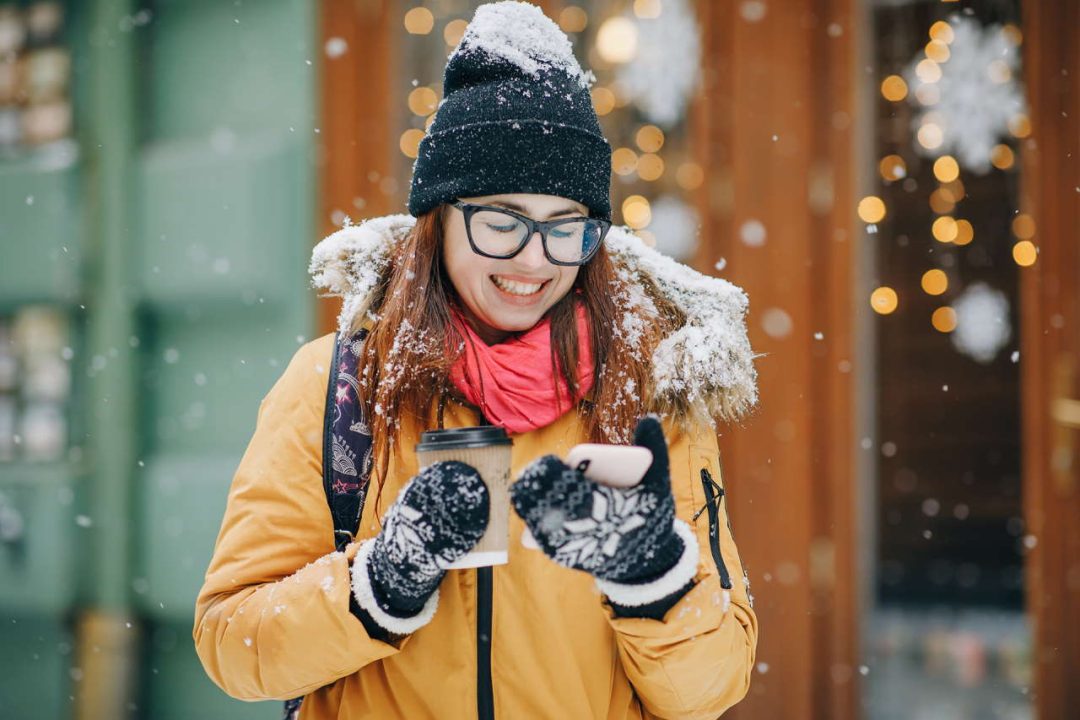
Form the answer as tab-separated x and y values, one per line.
668	584
365	598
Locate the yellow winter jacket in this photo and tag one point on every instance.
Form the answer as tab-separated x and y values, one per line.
273	622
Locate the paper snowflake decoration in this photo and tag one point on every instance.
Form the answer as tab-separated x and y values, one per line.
967	101
660	80
982	322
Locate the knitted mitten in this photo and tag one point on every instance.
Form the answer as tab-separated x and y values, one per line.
628	538
437	518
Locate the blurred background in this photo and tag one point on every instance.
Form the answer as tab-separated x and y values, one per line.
894	182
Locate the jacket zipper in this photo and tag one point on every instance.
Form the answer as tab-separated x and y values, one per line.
714	494
485	702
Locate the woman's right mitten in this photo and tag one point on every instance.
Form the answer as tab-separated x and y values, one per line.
437	518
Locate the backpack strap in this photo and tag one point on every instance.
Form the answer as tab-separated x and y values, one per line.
346	454
346	441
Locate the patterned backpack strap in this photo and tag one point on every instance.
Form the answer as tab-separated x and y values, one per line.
346	454
346	441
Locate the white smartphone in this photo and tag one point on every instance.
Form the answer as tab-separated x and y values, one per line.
619	466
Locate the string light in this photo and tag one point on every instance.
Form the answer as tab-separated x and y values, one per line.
1023	226
650	167
624	161
893	88
423	101
930	136
892	167
410	142
884	300
617	40
419	21
603	100
965	233
935	282
944	229
454	31
1024	253
1020	125
573	19
946	169
1002	157
871	209
650	138
944	319
942	31
648	9
690	176
637	213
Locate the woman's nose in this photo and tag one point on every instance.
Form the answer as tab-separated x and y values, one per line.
532	255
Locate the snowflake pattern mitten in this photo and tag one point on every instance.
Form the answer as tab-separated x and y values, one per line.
437	518
628	538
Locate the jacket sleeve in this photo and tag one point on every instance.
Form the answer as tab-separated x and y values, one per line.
272	620
697	661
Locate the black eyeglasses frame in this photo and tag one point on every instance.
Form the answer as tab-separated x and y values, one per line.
534	226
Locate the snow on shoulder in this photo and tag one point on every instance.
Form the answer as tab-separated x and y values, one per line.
706	363
521	34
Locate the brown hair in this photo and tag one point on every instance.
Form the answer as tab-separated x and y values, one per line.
406	359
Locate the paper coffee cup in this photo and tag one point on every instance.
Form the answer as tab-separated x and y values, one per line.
486	448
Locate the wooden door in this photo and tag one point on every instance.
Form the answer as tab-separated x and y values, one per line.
1050	293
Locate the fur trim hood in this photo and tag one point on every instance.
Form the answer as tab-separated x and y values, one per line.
707	363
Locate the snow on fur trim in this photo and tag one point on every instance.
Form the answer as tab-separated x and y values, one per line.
353	262
706	364
675	579
365	598
708	361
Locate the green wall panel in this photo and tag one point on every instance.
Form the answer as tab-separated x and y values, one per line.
231	67
222	227
177	688
183	504
36	678
40	236
37	571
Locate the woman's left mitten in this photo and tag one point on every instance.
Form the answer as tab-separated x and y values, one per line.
628	538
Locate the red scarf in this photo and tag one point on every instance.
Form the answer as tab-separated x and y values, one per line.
513	383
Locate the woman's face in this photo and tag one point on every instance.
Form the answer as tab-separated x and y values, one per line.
501	297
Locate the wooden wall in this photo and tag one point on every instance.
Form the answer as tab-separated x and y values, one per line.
776	123
1050	358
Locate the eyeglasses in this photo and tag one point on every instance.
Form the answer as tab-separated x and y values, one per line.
497	233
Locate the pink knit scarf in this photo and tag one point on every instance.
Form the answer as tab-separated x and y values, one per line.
514	382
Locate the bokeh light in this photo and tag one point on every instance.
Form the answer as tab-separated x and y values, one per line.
419	21
944	319
871	209
884	300
893	88
935	282
1024	253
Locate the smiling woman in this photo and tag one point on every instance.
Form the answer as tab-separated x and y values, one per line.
502	302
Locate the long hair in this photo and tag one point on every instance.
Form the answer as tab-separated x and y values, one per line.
406	359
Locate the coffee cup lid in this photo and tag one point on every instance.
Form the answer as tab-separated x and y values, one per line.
468	437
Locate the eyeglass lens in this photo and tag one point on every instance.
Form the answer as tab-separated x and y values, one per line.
496	233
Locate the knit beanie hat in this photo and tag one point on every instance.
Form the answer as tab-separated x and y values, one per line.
516	117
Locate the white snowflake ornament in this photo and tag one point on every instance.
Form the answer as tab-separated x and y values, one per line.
968	100
982	322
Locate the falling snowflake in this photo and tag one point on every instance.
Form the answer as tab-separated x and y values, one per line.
676	226
982	322
661	82
969	108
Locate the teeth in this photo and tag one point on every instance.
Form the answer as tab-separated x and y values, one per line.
516	288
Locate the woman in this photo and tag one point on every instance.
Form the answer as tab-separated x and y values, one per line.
506	301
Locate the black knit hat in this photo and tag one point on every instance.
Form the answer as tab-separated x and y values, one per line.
516	117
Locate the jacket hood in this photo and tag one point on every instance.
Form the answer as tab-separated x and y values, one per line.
707	363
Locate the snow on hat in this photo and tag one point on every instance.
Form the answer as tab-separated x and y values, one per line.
516	117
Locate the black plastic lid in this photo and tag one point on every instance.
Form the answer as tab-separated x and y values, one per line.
469	437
